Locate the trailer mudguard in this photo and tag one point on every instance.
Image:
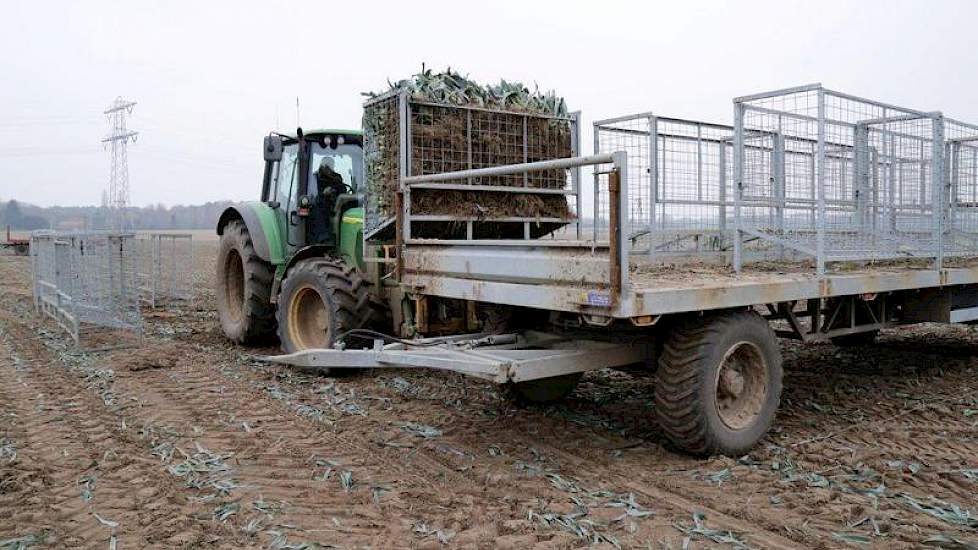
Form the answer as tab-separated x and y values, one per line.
260	219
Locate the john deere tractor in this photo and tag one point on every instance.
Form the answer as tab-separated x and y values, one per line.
293	261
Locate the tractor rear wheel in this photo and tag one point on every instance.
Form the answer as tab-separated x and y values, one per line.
719	383
244	286
321	299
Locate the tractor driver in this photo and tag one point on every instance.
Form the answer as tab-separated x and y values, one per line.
329	185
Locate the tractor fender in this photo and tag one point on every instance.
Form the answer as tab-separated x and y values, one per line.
311	251
260	220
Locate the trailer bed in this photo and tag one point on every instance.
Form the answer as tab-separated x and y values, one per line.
692	289
574	280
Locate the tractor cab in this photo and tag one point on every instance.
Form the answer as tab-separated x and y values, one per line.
311	183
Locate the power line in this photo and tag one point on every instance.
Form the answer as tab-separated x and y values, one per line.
118	139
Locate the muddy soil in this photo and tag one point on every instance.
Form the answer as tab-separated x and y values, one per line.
186	441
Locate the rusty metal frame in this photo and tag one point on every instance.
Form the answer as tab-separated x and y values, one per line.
443	267
501	358
831	318
615	235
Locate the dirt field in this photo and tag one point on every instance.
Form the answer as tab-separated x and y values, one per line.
188	442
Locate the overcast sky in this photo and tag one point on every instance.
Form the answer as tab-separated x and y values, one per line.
211	78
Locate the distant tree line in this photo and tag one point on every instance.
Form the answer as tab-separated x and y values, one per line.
12	214
23	216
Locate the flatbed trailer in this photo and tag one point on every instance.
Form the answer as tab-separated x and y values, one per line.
20	247
822	223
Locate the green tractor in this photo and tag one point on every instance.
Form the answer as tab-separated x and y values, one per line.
293	261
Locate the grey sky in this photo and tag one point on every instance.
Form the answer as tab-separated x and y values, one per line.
212	77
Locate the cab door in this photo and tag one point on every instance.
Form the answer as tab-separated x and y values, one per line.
285	197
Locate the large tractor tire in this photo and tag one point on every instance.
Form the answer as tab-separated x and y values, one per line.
321	299
244	286
719	383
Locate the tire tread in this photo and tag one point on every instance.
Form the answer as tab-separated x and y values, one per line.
684	368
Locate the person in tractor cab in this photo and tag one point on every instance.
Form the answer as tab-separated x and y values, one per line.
329	185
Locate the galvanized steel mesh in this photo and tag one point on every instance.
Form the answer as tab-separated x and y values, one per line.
165	268
86	280
678	182
839	178
806	175
961	162
404	136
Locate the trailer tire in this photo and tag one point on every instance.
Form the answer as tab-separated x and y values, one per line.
244	287
544	390
719	383
320	299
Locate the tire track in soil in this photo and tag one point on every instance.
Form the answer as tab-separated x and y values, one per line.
537	489
905	424
471	498
272	459
457	457
431	486
64	432
653	493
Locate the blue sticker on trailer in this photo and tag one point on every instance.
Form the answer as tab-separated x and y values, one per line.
595	298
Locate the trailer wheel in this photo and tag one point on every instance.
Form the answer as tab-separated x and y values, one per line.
321	299
244	286
719	383
544	390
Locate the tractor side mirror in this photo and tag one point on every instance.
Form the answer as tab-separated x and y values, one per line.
273	148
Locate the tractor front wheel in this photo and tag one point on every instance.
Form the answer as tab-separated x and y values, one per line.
320	300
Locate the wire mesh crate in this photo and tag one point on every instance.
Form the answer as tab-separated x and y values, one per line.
164	273
404	136
86	281
837	177
961	219
679	183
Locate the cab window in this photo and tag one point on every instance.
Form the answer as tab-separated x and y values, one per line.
286	177
347	162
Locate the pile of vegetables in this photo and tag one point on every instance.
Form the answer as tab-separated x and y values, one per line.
452	88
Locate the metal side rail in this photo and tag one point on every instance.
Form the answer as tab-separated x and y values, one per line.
498	358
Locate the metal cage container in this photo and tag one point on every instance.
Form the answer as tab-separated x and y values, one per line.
679	183
86	280
838	178
405	137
